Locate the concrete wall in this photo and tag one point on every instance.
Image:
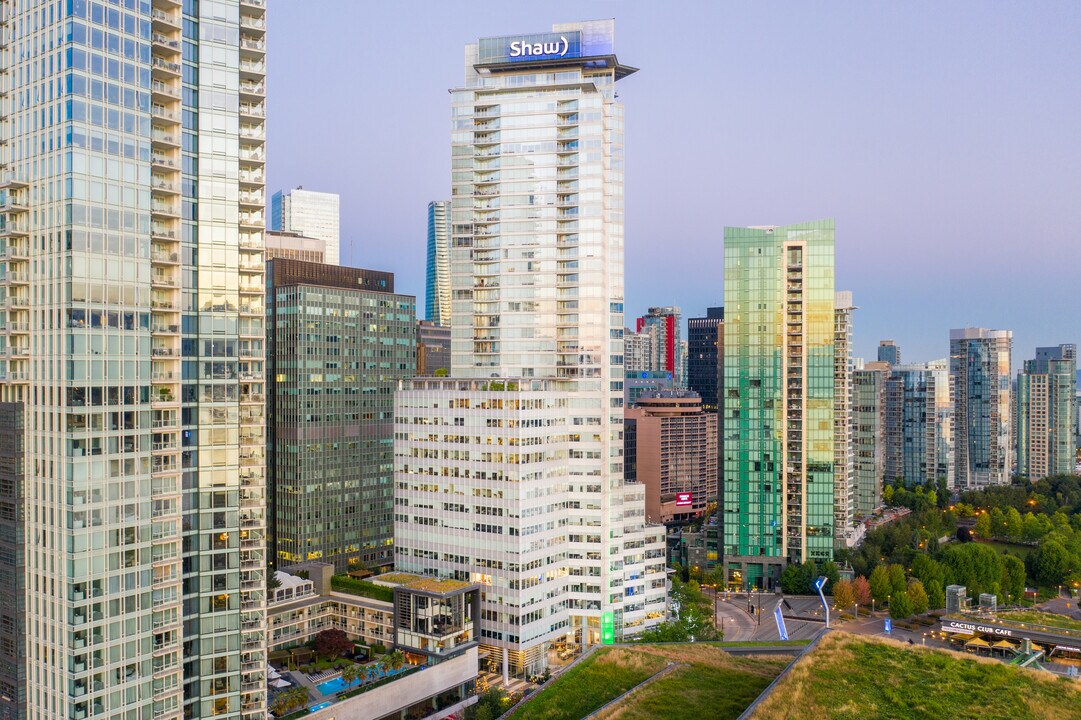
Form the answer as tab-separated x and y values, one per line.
402	693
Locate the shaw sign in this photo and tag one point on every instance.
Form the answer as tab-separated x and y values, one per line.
967	628
520	48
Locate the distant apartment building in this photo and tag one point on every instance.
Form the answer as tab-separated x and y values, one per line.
638	353
433	349
869	435
339	340
437	291
889	352
311	214
510	472
705	348
662	324
294	246
844	471
911	431
982	417
1047	413
670	448
778	432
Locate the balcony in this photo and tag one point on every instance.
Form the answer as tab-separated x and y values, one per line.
161	114
252	157
160	232
251	48
164	68
255	26
165	43
12	229
251	219
253	198
252	91
163	138
165	21
167	258
164	209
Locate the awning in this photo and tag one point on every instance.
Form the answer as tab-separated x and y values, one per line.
977	642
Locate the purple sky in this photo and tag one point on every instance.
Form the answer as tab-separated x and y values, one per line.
944	138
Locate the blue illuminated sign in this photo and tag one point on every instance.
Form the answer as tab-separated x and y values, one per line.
889	626
781	629
525	48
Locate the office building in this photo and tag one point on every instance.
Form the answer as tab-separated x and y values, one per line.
638	384
1047	413
437	294
889	352
638	353
338	341
510	472
132	316
311	214
433	349
294	246
844	470
869	435
670	448
778	429
982	419
705	348
663	325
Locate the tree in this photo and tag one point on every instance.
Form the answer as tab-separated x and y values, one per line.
793	580
976	566
887	494
983	526
897	579
350	673
395	660
1014	525
832	574
881	587
900	606
332	643
1050	563
1013	578
936	595
918	597
998	522
843	594
862	590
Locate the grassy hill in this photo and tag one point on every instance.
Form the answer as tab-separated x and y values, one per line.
852	677
707	682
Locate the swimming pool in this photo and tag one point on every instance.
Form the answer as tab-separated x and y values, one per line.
320	706
337	685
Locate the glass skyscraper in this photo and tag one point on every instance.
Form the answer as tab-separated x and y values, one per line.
1047	413
339	340
982	422
778	423
131	323
310	213
437	295
510	473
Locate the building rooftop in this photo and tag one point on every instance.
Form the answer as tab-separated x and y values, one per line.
421	583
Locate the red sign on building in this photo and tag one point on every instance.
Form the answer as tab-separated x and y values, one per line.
684	498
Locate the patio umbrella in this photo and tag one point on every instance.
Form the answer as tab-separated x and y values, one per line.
279	683
273	674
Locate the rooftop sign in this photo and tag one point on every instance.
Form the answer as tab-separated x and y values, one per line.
539	46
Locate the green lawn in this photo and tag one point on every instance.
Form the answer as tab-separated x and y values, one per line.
707	684
1021	551
760	643
598	679
849	677
363	588
1040	618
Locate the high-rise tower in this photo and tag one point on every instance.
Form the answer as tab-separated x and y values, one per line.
778	422
510	473
131	246
1047	413
982	421
309	213
437	295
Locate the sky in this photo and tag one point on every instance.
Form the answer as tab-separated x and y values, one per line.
943	138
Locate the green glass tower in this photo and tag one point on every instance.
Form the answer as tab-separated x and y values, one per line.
778	483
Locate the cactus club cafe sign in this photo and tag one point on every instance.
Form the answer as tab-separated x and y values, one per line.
968	628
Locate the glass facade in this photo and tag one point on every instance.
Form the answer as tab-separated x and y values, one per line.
778	422
132	245
336	356
982	421
1047	413
437	297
